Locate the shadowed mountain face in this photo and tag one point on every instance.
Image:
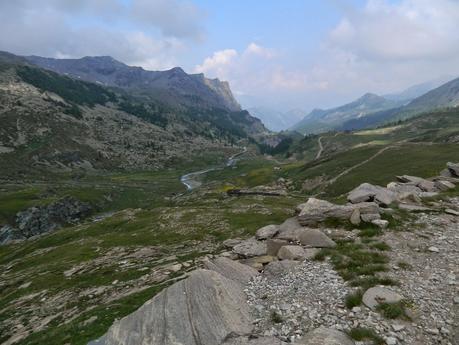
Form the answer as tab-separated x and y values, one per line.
174	86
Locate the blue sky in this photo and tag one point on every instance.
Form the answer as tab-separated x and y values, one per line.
276	54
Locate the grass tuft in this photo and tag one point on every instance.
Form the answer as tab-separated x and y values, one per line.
361	334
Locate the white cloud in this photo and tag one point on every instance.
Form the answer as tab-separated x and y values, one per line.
147	33
411	29
218	64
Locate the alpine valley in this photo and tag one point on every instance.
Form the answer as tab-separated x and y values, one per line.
148	207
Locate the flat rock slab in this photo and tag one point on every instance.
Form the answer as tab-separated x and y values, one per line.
267	231
453	168
325	336
204	309
378	294
231	269
250	248
316	239
413	208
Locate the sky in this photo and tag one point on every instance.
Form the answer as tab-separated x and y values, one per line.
278	54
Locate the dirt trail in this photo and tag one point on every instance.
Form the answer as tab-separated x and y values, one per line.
348	170
321	148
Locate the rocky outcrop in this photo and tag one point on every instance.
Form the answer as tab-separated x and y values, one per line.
42	219
453	169
316	239
291	253
368	192
204	309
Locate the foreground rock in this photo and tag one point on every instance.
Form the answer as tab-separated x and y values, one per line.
266	232
42	219
204	309
316	239
316	211
325	336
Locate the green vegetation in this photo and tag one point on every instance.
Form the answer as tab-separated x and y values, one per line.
393	310
276	317
362	334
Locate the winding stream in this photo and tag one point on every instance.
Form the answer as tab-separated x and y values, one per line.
191	181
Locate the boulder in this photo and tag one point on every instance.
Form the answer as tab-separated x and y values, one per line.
452	212
9	234
250	248
316	211
427	186
204	309
379	294
369	192
403	188
273	245
453	168
291	253
316	239
443	185
410	179
446	173
370	217
421	183
277	268
381	223
355	217
325	336
266	232
366	207
413	208
428	194
290	230
230	243
231	269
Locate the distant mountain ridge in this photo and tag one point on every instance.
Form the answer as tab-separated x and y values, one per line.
174	86
320	120
444	96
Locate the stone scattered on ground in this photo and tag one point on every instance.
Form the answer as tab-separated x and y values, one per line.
250	248
290	252
315	239
266	232
380	294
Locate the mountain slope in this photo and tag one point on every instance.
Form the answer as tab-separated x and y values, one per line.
320	120
417	90
444	96
172	87
52	122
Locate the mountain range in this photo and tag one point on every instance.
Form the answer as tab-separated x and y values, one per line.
373	110
98	113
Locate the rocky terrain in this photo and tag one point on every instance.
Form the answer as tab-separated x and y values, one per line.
380	269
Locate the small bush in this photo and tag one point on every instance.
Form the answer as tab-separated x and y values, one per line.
360	334
276	317
393	310
380	246
354	299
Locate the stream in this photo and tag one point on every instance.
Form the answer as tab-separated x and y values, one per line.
191	181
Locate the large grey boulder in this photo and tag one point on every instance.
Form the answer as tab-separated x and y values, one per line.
404	188
325	336
453	168
204	309
266	232
250	248
291	253
290	230
316	239
231	269
369	192
277	268
316	211
379	294
423	184
443	185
